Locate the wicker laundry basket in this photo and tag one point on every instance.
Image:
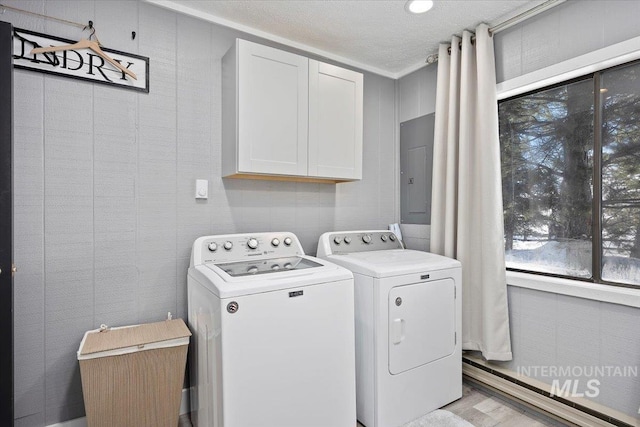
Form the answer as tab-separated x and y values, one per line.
133	376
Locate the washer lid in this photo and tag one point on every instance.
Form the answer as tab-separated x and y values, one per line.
265	266
394	262
233	279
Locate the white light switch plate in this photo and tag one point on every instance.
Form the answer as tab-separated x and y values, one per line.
202	189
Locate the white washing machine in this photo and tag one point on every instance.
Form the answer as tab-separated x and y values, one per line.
407	308
273	334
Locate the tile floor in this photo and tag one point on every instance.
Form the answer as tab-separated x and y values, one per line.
485	409
482	409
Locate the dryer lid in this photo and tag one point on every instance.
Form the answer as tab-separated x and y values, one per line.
395	262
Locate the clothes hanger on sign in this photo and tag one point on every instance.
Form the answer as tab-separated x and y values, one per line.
94	45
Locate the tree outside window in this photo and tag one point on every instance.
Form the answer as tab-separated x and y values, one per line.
548	140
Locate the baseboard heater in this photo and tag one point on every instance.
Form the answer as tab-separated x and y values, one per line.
537	398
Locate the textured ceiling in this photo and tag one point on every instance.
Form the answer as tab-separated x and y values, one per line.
376	35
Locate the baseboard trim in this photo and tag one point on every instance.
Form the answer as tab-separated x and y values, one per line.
82	421
539	399
76	422
185	402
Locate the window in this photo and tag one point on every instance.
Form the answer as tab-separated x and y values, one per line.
571	178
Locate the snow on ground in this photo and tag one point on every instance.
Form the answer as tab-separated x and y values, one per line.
571	258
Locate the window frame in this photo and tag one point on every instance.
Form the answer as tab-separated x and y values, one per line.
593	207
585	67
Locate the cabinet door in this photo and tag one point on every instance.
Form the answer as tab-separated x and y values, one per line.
272	110
335	121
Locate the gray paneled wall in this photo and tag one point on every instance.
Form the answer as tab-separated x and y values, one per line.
417	93
558	331
548	329
566	31
555	330
104	208
416	98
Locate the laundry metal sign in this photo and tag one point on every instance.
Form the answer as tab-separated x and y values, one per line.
79	63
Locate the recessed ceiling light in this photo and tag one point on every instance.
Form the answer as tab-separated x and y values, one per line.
418	6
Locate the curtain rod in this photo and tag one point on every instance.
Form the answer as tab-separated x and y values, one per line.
530	13
549	4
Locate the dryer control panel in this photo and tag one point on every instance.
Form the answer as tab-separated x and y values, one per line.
344	242
242	247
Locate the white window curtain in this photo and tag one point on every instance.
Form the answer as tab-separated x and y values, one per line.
466	207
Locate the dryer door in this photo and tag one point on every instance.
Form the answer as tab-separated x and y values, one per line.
421	324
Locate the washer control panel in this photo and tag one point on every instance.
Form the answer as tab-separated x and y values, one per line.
240	247
357	241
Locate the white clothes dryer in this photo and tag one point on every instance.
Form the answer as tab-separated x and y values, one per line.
408	325
273	334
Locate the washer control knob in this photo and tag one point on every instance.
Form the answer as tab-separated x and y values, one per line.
288	241
288	266
383	237
366	238
213	246
392	237
252	243
347	239
275	242
337	240
275	267
227	245
252	270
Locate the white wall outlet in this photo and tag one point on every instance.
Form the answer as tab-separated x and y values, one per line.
202	189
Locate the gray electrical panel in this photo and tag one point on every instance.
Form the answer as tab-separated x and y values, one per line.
416	164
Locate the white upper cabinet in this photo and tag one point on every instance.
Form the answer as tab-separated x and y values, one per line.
289	117
335	121
272	110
